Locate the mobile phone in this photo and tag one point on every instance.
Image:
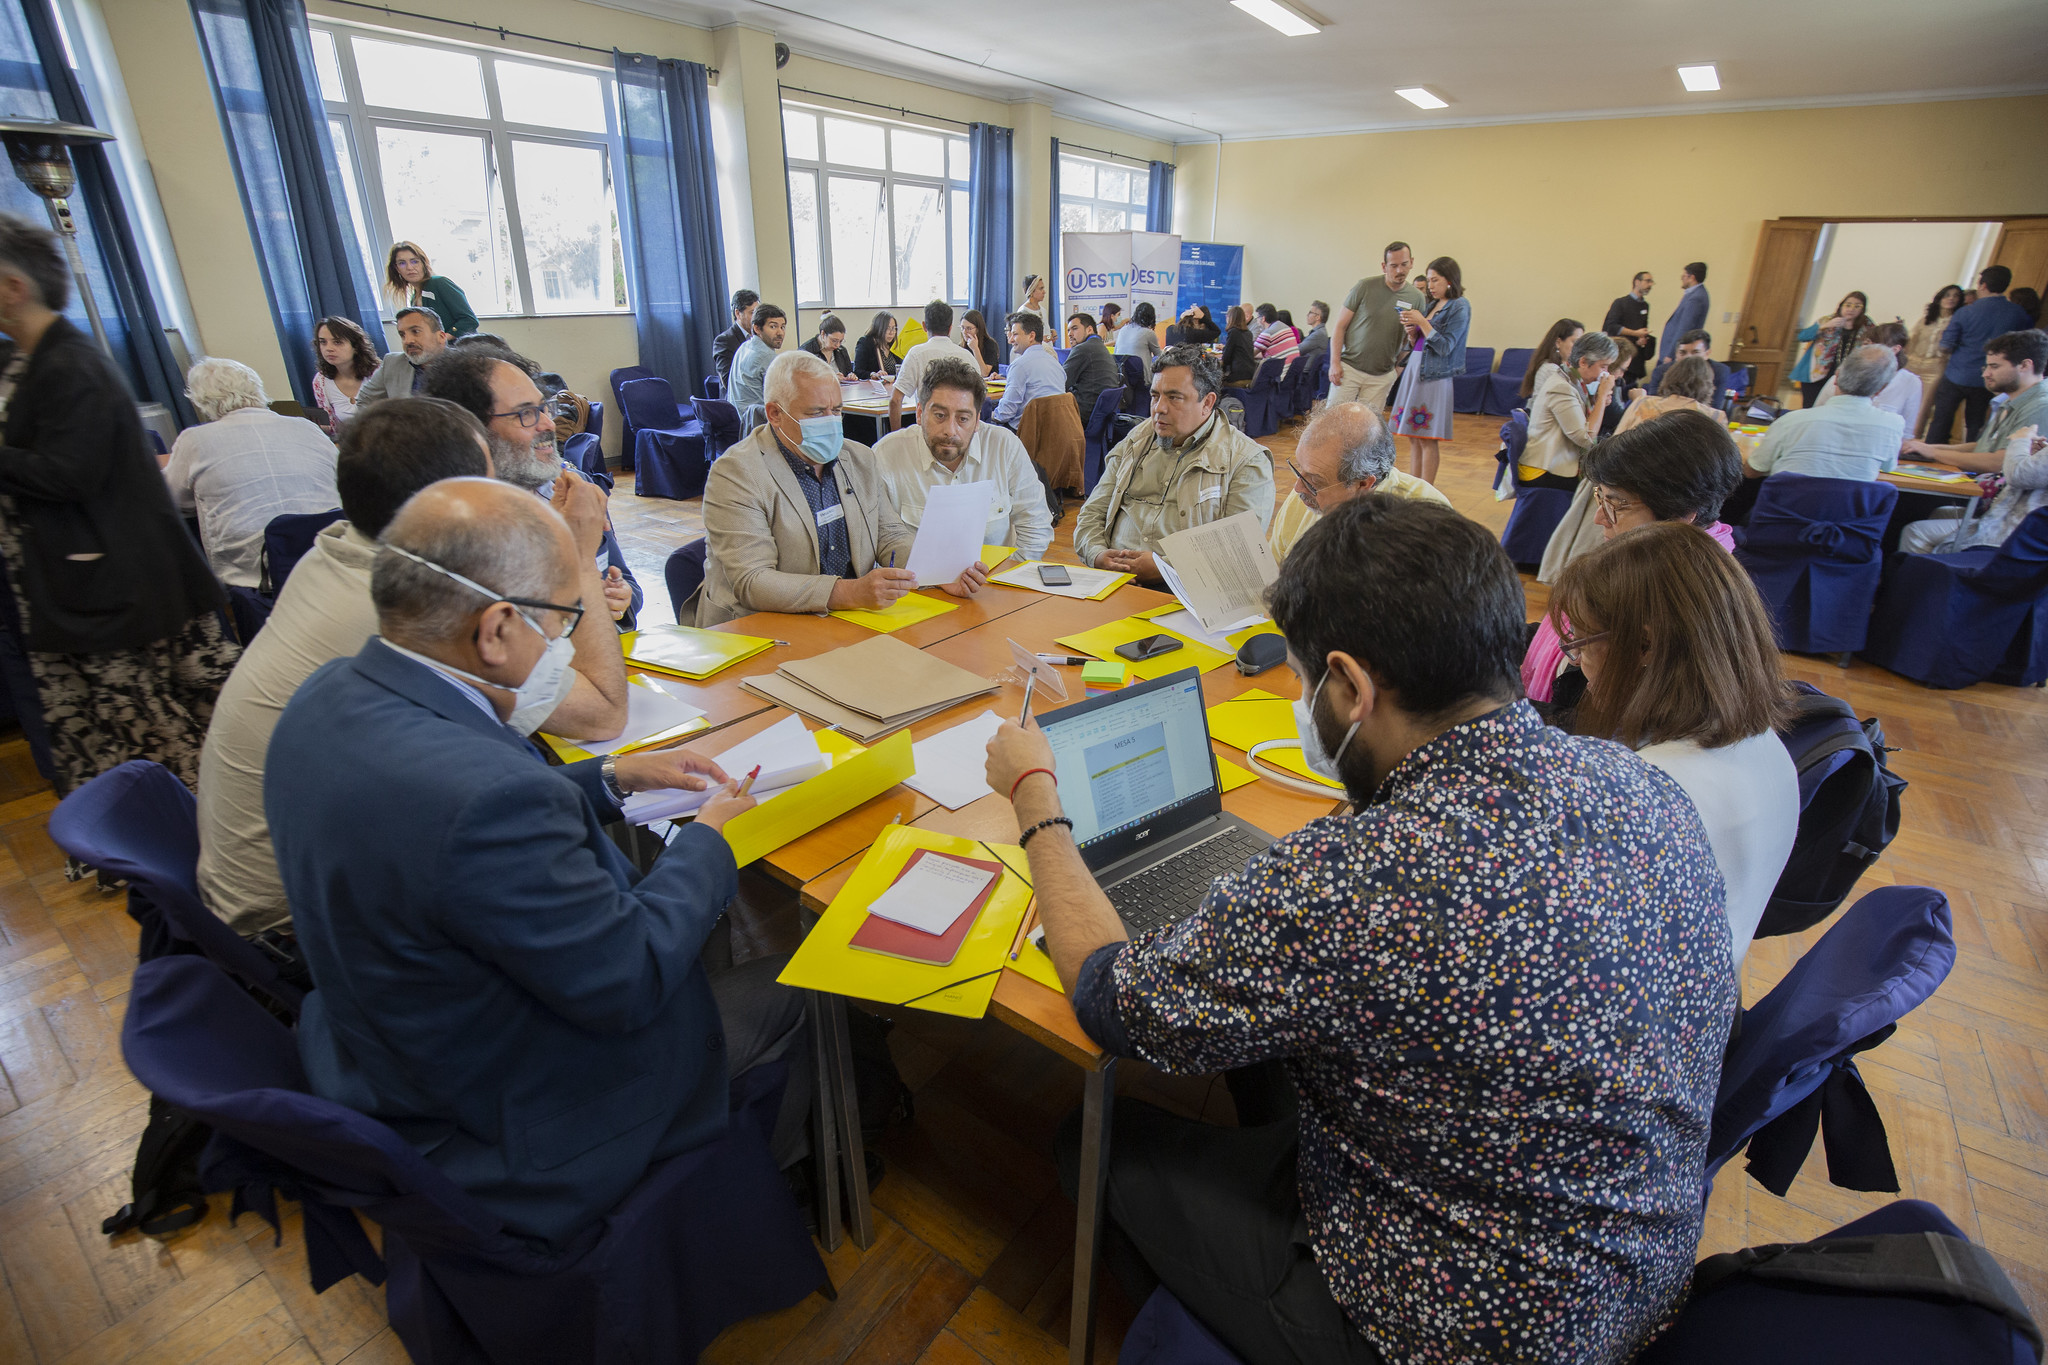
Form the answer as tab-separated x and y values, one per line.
1055	576
1148	647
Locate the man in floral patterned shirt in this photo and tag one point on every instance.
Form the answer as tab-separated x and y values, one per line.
1501	991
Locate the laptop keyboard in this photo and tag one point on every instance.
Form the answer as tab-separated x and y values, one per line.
1169	890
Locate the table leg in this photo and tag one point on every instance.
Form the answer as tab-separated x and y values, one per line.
852	1152
1099	1091
824	1122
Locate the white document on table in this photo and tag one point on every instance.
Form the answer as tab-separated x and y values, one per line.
650	709
1087	582
933	895
1220	571
952	765
786	752
1183	622
949	532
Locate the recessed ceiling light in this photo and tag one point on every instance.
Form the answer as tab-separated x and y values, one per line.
1421	98
1282	17
1700	77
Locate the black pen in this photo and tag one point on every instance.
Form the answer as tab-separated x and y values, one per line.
1072	660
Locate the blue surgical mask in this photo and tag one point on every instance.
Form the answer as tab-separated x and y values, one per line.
822	437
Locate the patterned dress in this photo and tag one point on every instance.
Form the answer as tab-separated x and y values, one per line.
1422	407
1502	991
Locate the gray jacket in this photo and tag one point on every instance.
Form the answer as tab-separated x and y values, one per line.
762	551
1227	473
392	380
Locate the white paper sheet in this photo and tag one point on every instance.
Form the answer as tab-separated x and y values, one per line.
952	765
932	895
1220	571
650	709
787	752
949	534
1087	582
1184	623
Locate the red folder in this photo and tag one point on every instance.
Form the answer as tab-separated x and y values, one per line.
878	935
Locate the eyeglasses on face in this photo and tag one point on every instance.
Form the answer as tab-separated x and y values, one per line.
1573	646
1615	508
530	415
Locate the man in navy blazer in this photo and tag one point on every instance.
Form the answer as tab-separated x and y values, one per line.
493	981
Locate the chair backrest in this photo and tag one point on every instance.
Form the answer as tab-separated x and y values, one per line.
585	452
721	423
140	822
250	609
684	570
1107	405
2020	568
1268	376
1134	395
626	374
1842	520
594	424
285	542
1478	359
1514	439
1886	954
649	404
1848	810
1514	361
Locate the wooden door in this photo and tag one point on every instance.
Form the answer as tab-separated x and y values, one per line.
2023	249
1770	311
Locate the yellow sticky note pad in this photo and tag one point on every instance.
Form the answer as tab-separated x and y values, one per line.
1103	640
1256	716
992	555
907	610
848	782
963	987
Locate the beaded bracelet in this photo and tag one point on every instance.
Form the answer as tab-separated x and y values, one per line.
1025	837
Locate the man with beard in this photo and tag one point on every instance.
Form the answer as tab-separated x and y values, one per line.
949	444
1473	1029
494	385
402	373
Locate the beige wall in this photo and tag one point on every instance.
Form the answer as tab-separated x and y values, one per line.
1552	219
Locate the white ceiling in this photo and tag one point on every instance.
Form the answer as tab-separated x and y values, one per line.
1183	70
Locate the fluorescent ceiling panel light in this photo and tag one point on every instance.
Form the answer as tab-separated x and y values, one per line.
1278	16
1421	98
1700	77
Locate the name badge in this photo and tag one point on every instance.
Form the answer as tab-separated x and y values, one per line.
831	514
1214	494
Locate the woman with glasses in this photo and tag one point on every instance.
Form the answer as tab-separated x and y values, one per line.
1679	467
1680	666
1564	413
410	282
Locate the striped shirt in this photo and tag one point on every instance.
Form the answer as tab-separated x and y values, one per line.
1278	342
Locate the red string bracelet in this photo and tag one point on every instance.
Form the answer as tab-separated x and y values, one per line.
1026	773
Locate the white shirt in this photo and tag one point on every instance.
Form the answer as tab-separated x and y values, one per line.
1747	794
1847	439
241	471
910	373
1018	516
1902	396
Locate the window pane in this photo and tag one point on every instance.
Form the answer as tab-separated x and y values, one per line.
328	65
957	159
437	192
550	97
920	246
860	241
1110	220
1073	217
803	228
918	153
1077	177
432	80
960	250
854	144
1141	186
800	136
1113	182
359	227
565	212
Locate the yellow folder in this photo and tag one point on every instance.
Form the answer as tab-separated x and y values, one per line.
848	782
907	610
1103	640
962	987
1032	962
992	555
1256	716
687	651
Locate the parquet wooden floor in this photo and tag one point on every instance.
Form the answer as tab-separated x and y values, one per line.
971	1265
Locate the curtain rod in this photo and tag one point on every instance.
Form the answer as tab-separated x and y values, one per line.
1121	156
886	108
501	32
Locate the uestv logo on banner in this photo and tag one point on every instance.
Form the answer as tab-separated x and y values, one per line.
1124	268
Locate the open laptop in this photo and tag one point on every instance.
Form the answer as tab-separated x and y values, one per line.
1139	781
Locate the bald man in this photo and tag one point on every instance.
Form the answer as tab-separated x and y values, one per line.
495	980
1345	452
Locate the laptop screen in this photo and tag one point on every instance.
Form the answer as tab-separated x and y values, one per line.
1134	762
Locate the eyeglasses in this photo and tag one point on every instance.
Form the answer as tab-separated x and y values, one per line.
575	613
1313	489
1571	646
1614	507
529	415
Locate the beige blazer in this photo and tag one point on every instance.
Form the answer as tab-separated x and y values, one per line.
762	551
1226	474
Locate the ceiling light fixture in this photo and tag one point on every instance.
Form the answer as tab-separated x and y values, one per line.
1283	17
1421	98
1700	77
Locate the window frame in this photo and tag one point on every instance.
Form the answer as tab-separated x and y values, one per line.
361	120
1140	175
822	169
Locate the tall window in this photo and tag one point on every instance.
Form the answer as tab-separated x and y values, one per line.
877	211
500	167
1096	196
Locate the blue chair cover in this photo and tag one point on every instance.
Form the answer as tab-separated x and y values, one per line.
1261	408
1166	1333
1137	398
1794	1064
1304	382
684	571
249	609
669	459
1537	511
621	377
1468	390
595	425
1812	548
140	822
707	1238
712	388
1322	382
286	540
582	451
1951	620
1503	386
1100	440
721	423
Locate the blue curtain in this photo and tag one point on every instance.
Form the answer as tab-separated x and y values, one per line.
37	82
260	56
1052	261
668	209
1159	198
990	218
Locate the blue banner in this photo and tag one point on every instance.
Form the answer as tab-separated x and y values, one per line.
1212	275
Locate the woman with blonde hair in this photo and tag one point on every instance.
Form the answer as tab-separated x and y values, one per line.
410	282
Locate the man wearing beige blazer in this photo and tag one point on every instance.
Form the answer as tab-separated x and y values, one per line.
799	519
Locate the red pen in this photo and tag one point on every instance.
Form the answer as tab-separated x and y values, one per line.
748	784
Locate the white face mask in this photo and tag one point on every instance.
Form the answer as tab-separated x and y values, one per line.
547	684
1321	763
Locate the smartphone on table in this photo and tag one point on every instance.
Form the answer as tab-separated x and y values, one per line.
1055	576
1148	647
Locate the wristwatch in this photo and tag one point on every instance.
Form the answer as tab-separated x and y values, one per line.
608	769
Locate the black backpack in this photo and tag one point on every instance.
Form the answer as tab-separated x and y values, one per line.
1848	810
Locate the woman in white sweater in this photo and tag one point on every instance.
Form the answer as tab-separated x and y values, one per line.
1680	666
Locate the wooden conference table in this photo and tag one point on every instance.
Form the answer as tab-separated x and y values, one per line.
976	637
866	406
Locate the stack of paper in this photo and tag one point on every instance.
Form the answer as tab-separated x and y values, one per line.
654	716
952	766
1089	585
689	651
786	753
1220	572
869	689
